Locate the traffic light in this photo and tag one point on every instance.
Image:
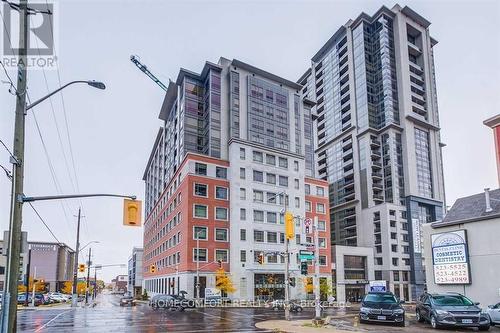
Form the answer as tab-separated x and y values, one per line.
132	211
303	267
81	268
152	269
220	263
260	258
289	226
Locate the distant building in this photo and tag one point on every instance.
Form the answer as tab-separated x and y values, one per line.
120	283
462	252
135	272
3	262
54	263
494	123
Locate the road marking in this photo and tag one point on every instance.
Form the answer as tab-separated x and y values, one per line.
212	315
50	321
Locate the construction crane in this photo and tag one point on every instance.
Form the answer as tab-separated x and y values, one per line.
145	70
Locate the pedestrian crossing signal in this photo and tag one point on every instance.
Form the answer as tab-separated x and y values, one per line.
303	268
132	211
81	268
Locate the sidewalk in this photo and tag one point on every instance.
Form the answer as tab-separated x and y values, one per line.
296	326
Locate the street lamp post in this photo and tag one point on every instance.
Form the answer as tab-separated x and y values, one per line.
9	300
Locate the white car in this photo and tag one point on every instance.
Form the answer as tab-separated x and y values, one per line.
58	298
494	312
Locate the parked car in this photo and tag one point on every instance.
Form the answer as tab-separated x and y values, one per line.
184	302
450	310
381	307
58	298
127	301
279	304
493	312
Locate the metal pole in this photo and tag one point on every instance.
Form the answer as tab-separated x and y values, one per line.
9	314
197	265
94	293
88	279
27	278
317	294
34	288
74	298
287	268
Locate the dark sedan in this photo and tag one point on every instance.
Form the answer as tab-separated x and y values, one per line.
451	310
381	307
127	301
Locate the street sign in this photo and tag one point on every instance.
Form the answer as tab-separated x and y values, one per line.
308	221
306	255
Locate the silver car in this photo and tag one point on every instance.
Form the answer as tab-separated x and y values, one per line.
493	312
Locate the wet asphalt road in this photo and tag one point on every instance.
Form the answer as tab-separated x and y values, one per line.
108	316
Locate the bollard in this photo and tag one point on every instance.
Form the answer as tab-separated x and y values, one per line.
356	321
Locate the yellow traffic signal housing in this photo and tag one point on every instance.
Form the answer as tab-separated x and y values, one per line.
260	258
132	212
81	268
152	269
289	226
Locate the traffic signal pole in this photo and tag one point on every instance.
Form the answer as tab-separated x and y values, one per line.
14	250
87	291
74	298
287	267
317	295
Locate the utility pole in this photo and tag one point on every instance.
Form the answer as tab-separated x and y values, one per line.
9	314
74	298
27	279
94	293
88	279
317	294
287	267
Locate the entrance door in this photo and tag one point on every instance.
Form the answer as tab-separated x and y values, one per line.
203	285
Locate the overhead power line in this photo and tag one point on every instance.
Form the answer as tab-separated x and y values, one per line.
44	223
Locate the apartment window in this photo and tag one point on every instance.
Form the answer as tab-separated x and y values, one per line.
271	217
395	261
221	235
297	202
200	233
395	275
297	239
200	255
243	194
322	225
308	206
258	236
220	213
394	235
296	165
221	172
272	237
200	190
320	191
270	159
405	276
243	256
282	238
272	258
283	181
242	154
394	248
258	216
243	214
322	260
283	162
296	184
307	189
379	261
258	176
320	208
221	193
271	197
200	169
200	211
406	261
322	242
242	173
221	255
258	196
393	224
243	234
257	156
271	178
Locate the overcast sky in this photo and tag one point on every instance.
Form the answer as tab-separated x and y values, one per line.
112	131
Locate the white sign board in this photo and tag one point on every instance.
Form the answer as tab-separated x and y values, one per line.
417	236
450	258
212	293
378	285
